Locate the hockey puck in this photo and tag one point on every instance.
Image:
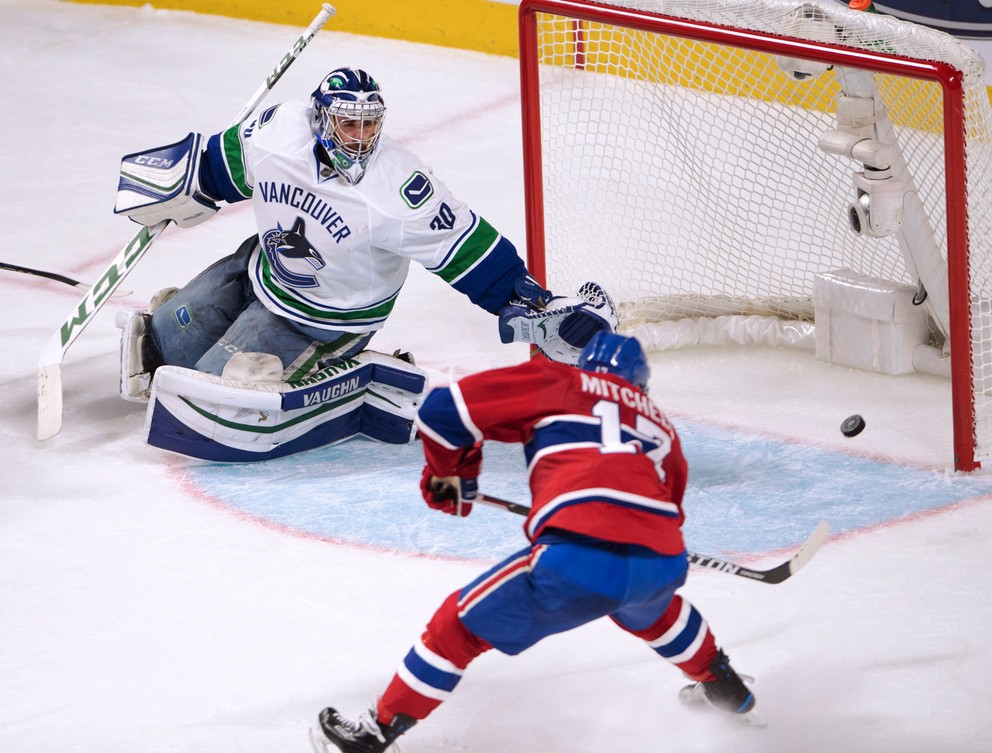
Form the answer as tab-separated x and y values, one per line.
852	426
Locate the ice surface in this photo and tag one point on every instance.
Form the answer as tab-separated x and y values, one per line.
153	604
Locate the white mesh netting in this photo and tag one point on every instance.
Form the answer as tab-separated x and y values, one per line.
685	176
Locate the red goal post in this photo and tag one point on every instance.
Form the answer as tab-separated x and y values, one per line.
711	158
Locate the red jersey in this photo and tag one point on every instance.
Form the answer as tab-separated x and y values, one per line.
602	459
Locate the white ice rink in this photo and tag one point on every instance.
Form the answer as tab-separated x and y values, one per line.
150	604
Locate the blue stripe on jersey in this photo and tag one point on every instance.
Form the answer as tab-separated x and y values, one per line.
439	416
490	283
563	434
429	674
215	179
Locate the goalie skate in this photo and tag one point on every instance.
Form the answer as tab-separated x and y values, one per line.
139	356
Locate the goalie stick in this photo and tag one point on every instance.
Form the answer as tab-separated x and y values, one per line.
50	361
773	575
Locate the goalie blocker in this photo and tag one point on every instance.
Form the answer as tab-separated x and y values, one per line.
163	184
227	420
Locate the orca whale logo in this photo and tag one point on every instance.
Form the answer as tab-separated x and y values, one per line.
282	246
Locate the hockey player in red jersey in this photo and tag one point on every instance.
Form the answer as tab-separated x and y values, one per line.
607	476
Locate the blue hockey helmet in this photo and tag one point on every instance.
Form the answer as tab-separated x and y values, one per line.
346	114
616	354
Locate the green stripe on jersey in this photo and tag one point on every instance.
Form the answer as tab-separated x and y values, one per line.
474	247
318	315
234	156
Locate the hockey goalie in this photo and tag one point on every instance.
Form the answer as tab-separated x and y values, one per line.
264	353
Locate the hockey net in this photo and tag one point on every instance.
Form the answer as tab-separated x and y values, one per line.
701	159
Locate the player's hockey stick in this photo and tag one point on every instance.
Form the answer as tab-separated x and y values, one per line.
774	575
50	361
41	273
53	276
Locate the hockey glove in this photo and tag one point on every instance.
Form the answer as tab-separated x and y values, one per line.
564	327
163	184
531	293
451	494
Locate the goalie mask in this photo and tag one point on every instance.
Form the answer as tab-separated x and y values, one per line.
346	114
616	354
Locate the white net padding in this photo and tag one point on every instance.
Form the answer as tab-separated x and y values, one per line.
685	176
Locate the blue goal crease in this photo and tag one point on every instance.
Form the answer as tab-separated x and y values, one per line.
746	494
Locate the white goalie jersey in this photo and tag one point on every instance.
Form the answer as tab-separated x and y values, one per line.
334	255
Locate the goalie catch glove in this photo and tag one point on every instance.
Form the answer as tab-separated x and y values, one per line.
563	327
453	495
163	184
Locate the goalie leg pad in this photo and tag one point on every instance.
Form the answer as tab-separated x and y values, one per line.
392	398
223	420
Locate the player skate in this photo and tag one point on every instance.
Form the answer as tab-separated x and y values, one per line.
728	692
365	735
